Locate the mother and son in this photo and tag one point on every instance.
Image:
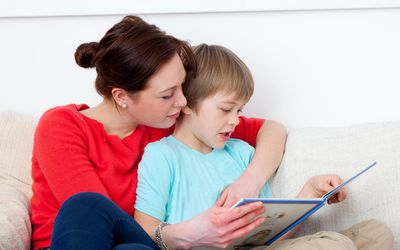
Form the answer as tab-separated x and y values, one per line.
160	161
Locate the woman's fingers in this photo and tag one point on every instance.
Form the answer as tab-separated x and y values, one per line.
251	209
222	199
246	219
242	231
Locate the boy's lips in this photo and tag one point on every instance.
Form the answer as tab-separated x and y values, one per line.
225	135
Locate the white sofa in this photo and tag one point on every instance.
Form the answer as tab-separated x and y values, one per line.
309	151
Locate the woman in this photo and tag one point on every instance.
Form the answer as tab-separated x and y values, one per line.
140	72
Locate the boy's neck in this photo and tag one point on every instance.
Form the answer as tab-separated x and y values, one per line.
185	135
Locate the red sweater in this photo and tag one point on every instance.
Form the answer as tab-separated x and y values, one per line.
73	153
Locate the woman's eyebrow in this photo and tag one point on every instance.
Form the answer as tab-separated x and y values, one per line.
171	88
168	89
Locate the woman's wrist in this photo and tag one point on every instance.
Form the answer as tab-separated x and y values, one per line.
175	236
257	175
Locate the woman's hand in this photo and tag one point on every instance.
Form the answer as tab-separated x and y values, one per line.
319	185
216	227
248	185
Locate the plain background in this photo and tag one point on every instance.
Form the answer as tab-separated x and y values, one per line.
331	67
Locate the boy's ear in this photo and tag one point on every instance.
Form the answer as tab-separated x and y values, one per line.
187	111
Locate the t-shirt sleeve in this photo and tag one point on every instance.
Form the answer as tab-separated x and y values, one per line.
61	150
154	181
241	151
247	129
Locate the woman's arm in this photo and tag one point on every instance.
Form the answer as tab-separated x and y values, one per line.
60	153
270	146
147	222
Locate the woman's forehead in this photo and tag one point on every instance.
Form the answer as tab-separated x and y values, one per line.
169	75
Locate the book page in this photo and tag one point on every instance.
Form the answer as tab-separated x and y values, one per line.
278	217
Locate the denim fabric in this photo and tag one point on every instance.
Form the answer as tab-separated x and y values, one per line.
91	221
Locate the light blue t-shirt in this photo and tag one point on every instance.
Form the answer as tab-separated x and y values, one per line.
176	182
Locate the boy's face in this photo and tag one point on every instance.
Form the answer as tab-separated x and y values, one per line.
215	120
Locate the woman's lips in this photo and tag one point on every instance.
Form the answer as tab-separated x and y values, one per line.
174	116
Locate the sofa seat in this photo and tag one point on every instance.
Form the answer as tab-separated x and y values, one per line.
309	151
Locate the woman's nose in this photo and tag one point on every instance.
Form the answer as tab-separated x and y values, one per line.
181	99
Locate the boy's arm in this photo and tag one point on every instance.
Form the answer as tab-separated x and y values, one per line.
270	139
316	187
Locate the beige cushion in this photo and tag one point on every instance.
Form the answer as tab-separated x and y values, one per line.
16	141
15	226
345	151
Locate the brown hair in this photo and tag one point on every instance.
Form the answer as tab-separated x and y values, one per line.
130	53
218	69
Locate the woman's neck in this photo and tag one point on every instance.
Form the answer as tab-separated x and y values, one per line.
115	121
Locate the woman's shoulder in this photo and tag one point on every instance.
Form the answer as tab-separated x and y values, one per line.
65	110
62	115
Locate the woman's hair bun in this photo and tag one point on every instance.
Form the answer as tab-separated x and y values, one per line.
85	53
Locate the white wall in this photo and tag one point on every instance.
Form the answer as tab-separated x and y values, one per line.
312	68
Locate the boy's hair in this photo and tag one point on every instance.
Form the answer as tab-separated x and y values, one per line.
218	69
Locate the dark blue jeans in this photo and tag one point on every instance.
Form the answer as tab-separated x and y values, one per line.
91	221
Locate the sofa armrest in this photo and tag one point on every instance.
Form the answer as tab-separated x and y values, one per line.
15	226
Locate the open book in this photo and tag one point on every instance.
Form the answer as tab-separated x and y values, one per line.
282	215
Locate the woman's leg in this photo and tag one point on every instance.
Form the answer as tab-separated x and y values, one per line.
92	221
370	234
321	240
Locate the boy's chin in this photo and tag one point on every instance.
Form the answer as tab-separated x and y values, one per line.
219	145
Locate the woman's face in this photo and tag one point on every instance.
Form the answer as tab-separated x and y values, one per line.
160	103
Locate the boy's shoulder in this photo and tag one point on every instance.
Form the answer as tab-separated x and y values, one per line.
164	146
239	150
233	143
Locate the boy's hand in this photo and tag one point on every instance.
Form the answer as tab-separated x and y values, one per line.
319	185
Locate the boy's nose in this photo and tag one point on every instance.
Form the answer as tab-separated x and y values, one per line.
234	120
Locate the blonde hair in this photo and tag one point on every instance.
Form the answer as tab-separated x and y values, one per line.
218	69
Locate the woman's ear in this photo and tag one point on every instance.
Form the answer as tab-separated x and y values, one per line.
120	96
187	111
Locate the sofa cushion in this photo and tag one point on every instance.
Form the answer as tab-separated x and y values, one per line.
15	229
16	140
345	151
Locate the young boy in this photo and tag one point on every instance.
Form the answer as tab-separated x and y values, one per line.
197	162
184	174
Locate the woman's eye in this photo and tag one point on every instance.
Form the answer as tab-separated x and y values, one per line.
167	97
239	111
226	110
